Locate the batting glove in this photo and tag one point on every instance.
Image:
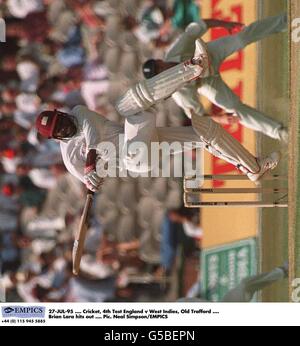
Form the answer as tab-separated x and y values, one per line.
92	181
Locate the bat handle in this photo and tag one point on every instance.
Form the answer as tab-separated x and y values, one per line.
91	193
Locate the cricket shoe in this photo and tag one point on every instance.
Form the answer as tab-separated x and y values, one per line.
266	164
201	57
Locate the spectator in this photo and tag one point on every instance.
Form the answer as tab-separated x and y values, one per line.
178	226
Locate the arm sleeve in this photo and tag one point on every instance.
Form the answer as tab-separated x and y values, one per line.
75	170
92	136
187	99
185	43
92	125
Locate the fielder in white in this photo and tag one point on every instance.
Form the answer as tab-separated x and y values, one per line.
82	131
213	87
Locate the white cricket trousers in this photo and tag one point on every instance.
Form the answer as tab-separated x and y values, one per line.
141	128
217	91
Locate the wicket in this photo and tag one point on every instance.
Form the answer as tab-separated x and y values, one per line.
192	195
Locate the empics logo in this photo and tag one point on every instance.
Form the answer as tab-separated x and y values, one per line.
23	311
2	30
8	310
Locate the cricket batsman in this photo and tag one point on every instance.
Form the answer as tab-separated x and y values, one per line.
81	131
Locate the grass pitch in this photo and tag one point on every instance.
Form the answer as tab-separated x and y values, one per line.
273	99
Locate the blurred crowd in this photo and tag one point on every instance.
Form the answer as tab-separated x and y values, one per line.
59	54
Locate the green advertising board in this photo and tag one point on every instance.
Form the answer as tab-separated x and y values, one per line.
223	267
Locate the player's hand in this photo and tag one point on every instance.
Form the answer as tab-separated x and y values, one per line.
233	27
92	181
225	118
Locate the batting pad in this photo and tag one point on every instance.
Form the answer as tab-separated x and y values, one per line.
148	92
221	144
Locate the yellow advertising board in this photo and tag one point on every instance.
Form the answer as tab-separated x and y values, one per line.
224	225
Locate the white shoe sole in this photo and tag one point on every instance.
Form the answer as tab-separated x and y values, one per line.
275	156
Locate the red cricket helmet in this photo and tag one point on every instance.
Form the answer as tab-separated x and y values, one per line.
45	123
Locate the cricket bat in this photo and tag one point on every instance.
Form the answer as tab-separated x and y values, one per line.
81	233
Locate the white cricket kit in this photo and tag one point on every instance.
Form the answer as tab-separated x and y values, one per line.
221	144
93	129
142	128
213	87
204	133
148	92
216	139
